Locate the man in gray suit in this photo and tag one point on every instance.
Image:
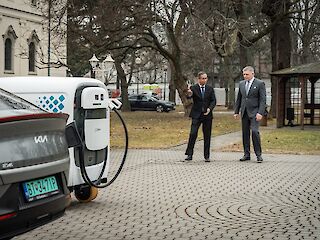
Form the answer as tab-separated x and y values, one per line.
251	100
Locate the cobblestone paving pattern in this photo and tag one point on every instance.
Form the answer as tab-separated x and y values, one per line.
158	196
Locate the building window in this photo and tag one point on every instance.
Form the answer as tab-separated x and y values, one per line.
32	57
33	42
8	55
9	39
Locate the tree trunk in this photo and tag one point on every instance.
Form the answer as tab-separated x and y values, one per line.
228	78
280	43
246	57
124	87
281	55
307	56
179	83
182	91
172	89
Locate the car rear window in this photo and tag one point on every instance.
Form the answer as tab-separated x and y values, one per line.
9	101
12	105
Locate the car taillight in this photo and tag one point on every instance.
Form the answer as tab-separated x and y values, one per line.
7	216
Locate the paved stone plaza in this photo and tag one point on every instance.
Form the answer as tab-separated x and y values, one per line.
159	196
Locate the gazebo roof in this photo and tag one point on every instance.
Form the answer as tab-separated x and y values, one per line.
310	69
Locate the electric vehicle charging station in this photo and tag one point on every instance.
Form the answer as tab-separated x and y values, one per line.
87	103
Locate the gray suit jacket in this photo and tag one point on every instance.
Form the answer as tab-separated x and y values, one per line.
254	102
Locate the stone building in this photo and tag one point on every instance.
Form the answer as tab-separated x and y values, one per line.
24	44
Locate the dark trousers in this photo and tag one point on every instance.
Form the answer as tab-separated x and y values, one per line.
206	129
253	125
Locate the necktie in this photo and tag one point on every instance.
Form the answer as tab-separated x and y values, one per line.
202	91
247	87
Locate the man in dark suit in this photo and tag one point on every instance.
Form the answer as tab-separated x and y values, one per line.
251	100
204	100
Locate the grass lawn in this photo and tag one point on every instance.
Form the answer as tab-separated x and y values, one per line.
285	140
149	129
162	130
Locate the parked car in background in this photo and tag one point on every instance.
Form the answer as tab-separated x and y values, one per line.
150	103
34	163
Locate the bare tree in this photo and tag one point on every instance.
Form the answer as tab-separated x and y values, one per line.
52	54
164	35
110	27
184	32
280	34
305	24
234	27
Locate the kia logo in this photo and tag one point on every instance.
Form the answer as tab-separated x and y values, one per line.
7	165
41	139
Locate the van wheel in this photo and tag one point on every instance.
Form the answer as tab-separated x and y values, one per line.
159	108
85	194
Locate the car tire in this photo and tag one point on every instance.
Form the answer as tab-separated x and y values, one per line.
159	108
85	194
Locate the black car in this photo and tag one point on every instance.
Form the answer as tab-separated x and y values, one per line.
150	103
34	163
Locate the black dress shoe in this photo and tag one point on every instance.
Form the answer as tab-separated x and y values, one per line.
244	158
188	158
207	159
259	159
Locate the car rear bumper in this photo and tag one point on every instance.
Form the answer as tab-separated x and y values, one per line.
29	215
31	218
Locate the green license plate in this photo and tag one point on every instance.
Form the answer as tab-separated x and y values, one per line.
40	188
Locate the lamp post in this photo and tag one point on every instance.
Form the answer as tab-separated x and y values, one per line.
93	62
104	68
107	66
49	37
138	62
165	84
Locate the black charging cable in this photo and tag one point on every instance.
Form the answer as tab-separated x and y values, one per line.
97	183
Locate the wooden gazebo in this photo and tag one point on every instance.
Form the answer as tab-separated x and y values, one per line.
298	95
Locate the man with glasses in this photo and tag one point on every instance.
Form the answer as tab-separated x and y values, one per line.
204	101
251	100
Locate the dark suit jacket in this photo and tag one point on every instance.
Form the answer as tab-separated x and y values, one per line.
201	105
254	102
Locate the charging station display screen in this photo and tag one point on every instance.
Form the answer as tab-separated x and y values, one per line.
96	113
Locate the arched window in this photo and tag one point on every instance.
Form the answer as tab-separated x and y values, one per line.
9	39
32	57
8	55
33	42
